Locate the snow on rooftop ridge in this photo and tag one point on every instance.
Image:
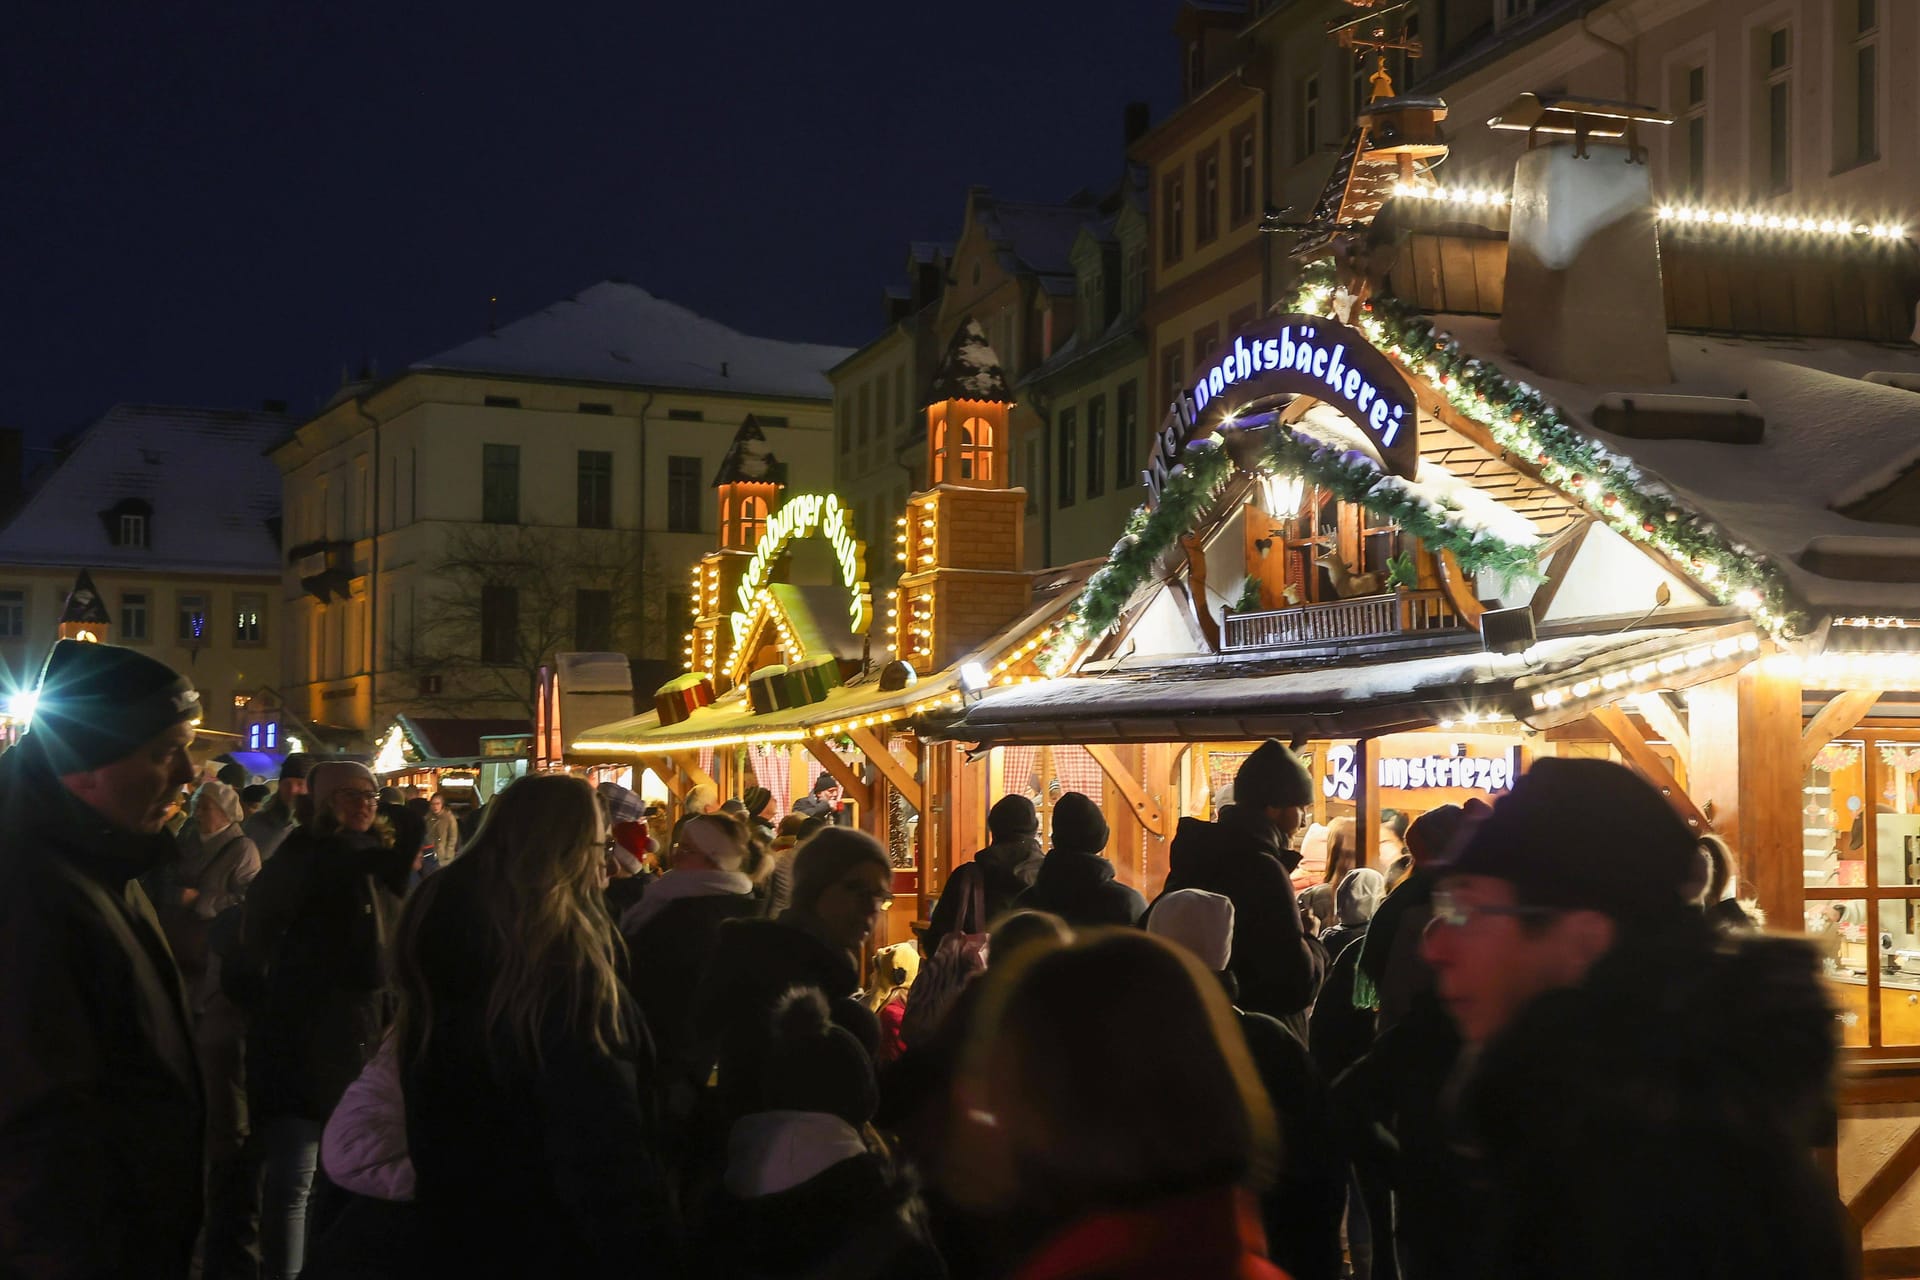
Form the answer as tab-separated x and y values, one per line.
970	369
614	332
204	473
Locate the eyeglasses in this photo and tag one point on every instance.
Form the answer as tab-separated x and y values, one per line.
358	796
1454	912
882	898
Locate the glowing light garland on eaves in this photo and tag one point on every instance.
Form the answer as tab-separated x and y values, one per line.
1522	422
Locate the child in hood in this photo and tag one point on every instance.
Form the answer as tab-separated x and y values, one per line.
808	1192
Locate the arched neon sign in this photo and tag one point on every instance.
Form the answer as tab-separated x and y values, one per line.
808	515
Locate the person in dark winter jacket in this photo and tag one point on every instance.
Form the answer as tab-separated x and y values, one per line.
1302	1208
1076	882
525	1068
1391	974
276	819
1245	856
1646	1094
805	1192
672	931
101	1110
1008	866
841	881
311	974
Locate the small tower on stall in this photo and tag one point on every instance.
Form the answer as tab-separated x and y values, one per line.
960	541
85	616
750	481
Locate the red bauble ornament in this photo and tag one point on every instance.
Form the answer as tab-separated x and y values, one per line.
1577	479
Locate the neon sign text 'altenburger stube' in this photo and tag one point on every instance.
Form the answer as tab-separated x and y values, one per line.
799	516
1299	355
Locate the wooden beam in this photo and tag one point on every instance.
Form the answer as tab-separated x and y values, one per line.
1196	590
1558	566
1879	1190
1665	721
851	783
1614	723
1366	804
890	768
689	764
1151	816
1453	580
677	782
1837	717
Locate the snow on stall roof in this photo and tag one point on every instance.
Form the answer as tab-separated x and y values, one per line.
1216	692
1831	437
615	332
204	472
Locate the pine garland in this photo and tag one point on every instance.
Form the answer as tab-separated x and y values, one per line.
1611	486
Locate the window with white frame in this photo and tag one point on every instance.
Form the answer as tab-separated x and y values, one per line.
1692	169
1774	150
13	614
1856	82
1309	116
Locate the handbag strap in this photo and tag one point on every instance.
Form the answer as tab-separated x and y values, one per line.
973	916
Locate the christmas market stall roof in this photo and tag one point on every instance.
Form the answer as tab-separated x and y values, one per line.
1215	700
430	742
201	478
1829	491
730	721
618	333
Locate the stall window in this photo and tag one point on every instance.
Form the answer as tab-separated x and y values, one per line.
1860	820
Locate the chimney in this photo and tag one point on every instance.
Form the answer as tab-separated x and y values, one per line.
1584	298
1135	119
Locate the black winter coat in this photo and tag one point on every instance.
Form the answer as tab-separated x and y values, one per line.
667	958
525	1170
1242	857
1008	867
1338	1033
853	1221
755	962
1302	1209
313	967
1081	889
101	1109
1659	1119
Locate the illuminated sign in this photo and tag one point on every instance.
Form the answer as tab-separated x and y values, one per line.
1296	355
806	515
1489	775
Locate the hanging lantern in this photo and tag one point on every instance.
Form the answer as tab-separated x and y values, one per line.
1281	495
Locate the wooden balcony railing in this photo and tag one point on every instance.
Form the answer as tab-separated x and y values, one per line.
1363	618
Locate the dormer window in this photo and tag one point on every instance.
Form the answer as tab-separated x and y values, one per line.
129	523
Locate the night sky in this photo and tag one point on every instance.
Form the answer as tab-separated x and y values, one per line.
216	204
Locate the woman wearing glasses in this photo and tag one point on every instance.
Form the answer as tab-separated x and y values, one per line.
312	979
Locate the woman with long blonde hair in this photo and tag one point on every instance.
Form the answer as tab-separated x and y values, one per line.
526	1069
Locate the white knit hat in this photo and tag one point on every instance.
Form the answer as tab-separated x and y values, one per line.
1201	922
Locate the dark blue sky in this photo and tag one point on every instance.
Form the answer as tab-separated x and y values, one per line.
219	203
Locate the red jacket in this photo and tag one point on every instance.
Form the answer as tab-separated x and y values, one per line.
1208	1235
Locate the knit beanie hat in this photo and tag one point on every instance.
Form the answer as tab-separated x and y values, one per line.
813	1065
1582	835
1201	922
756	799
825	782
296	766
1272	776
1078	824
819	863
233	774
98	703
330	776
1012	816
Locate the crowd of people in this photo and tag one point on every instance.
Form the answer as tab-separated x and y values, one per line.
325	1032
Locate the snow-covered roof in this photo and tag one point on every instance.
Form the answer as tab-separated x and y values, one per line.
1218	700
1830	438
614	332
203	473
970	370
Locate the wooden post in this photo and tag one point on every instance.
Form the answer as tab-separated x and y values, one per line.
1366	804
1746	773
1132	794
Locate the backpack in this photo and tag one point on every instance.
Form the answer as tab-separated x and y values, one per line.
962	955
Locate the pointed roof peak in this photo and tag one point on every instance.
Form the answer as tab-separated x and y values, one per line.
970	370
84	603
750	458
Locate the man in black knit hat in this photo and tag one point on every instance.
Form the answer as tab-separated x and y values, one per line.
101	1108
1247	854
